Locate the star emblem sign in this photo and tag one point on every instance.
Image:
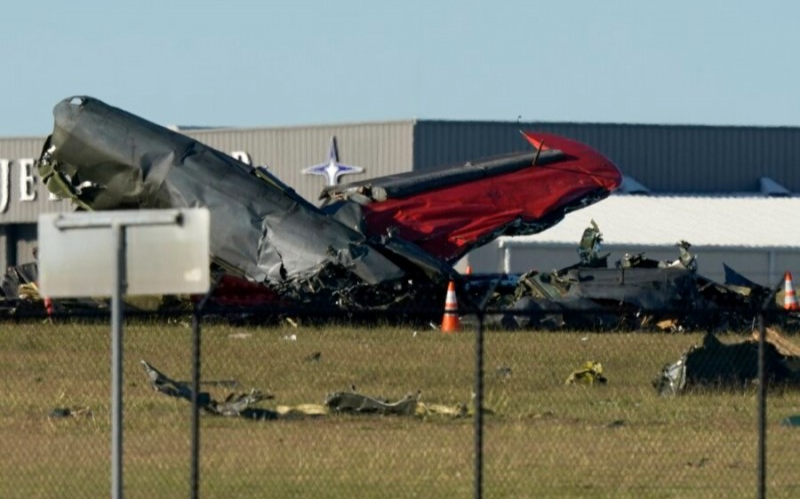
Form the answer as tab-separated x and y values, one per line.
333	169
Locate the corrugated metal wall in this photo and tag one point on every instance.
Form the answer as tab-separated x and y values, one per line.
16	243
379	148
26	238
665	158
7	258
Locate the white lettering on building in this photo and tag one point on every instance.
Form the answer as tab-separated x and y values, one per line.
4	179
27	181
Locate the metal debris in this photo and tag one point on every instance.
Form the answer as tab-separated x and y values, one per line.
590	373
717	365
242	404
233	405
352	402
636	293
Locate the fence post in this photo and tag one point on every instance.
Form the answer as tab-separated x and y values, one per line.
120	285
194	480
479	408
195	451
762	410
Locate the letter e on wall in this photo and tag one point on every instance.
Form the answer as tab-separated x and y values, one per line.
27	181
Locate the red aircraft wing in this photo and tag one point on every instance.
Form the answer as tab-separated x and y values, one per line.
449	221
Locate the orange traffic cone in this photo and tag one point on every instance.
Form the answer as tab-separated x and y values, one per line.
789	299
450	320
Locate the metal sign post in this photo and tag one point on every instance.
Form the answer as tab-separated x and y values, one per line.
118	233
79	257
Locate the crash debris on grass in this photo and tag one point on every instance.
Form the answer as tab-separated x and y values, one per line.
717	365
590	373
353	402
68	412
345	402
235	404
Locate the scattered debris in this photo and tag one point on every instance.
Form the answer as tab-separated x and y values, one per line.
233	405
352	402
456	411
714	364
791	421
242	404
503	372
699	464
66	412
60	412
239	336
589	374
302	410
784	346
617	423
238	404
542	415
314	357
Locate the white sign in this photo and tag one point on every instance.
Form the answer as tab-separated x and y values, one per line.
167	252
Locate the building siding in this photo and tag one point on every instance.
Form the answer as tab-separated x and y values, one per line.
7	258
26	239
379	148
681	159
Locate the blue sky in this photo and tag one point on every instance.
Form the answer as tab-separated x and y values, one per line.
275	63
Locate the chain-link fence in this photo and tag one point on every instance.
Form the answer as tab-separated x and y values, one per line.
303	407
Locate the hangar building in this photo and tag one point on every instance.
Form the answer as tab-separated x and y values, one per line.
677	160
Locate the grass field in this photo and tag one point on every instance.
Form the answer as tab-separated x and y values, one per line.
544	439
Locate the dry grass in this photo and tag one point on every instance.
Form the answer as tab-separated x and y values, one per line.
544	440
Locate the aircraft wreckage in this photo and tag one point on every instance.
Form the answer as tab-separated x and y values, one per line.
732	365
635	293
381	243
386	243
